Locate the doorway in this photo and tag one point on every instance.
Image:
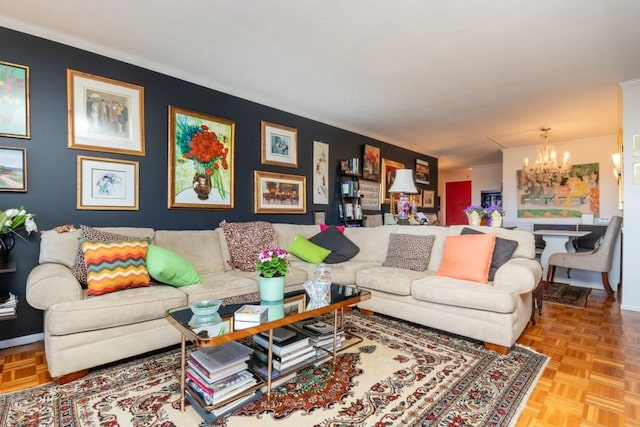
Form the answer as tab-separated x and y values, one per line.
458	195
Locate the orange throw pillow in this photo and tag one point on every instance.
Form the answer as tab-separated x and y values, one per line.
468	257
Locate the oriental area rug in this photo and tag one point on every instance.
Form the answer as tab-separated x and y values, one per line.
563	294
399	375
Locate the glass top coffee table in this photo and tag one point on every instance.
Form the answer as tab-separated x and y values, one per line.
291	310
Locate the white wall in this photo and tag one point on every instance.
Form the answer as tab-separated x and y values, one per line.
485	178
593	150
631	225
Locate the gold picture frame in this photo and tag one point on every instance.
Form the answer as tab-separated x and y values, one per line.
106	184
104	114
295	305
279	145
13	169
428	199
389	168
16	120
279	193
200	177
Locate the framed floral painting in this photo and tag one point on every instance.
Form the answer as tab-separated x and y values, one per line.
279	193
201	159
105	115
14	102
371	163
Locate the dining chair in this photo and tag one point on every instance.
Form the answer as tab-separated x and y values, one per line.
598	259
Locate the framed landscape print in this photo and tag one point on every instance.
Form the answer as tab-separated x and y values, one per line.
107	184
428	199
371	163
279	145
14	100
389	168
201	160
13	169
422	172
279	193
104	114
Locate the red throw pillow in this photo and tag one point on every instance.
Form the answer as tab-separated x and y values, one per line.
325	226
468	257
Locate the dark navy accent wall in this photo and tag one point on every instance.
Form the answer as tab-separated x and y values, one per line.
51	164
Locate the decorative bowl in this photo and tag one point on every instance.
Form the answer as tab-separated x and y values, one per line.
206	307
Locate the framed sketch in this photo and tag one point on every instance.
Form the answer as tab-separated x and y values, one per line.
107	184
13	169
294	305
320	173
279	193
636	146
105	115
422	172
201	160
15	120
389	168
636	173
371	163
279	145
428	199
319	217
370	199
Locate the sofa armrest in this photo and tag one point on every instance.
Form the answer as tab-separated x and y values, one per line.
49	284
520	275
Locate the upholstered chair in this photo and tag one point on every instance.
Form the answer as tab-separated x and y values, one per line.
597	260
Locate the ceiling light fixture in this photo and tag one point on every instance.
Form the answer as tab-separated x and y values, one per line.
546	170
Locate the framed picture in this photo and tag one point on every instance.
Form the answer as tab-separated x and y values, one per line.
319	217
422	172
320	173
104	114
279	145
279	193
13	169
107	184
389	168
371	163
201	160
417	198
636	146
636	173
428	199
295	305
14	102
370	199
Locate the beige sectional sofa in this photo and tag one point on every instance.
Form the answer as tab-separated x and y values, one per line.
81	332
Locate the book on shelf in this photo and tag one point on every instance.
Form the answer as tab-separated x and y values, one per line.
318	327
221	396
280	334
214	359
284	347
293	363
252	313
9	306
326	342
211	377
262	354
235	404
219	386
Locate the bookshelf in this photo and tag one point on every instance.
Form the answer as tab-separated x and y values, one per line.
350	204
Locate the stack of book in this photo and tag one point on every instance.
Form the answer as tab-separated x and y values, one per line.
8	305
250	315
321	334
289	350
220	373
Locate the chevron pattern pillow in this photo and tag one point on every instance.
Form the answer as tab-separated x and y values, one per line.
112	266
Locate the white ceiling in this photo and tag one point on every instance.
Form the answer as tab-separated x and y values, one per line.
452	79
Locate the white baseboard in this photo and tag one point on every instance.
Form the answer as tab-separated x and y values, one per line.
27	339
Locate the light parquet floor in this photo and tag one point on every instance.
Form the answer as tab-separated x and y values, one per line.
592	379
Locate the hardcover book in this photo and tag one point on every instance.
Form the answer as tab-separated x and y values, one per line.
252	313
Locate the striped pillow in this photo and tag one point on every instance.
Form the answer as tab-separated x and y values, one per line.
112	266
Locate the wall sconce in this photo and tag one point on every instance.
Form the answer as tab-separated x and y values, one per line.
617	170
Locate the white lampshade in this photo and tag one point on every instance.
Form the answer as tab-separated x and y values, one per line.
403	182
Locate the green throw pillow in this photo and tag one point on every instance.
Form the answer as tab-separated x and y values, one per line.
310	252
170	268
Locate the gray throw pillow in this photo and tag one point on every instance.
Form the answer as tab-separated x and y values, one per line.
501	253
409	251
342	249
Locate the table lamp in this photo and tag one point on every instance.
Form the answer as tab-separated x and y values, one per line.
404	185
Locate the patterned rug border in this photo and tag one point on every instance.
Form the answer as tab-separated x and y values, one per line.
551	297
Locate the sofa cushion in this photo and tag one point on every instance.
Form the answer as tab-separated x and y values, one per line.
390	280
308	251
112	266
502	252
409	251
200	247
340	228
372	241
342	249
468	257
79	269
245	240
170	268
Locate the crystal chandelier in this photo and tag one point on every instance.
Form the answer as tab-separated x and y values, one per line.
546	170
